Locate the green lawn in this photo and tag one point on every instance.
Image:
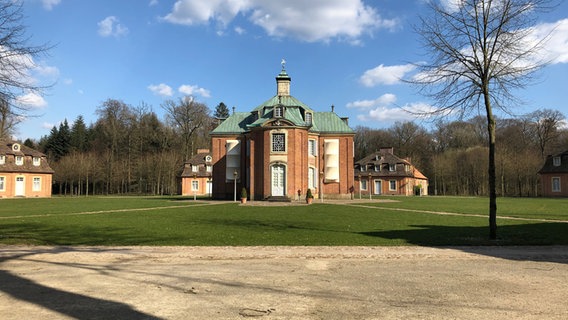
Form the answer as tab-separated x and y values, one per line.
180	221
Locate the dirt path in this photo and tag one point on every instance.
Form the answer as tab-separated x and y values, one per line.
283	282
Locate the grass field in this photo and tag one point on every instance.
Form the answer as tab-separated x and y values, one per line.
429	221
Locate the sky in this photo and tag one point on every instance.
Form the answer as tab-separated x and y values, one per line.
348	53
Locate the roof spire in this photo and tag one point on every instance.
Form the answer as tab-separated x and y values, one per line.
283	62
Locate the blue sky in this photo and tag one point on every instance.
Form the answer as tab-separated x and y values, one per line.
347	53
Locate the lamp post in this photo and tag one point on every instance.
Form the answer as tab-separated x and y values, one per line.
235	173
359	175
194	189
370	188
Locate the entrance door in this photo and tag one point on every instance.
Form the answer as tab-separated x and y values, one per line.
209	188
278	180
20	187
378	186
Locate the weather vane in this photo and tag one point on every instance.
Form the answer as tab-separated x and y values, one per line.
283	62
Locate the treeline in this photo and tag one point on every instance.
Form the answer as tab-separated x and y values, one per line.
454	154
129	150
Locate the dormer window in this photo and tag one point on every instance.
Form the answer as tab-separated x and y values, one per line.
2	159
308	118
392	167
15	147
19	160
363	168
36	161
556	161
195	168
278	112
208	159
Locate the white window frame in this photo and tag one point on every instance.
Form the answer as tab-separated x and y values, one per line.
377	167
272	142
194	185
312	179
19	160
556	161
363	184
392	167
363	168
36	161
278	112
556	184
36	185
2	183
2	159
309	117
312	147
194	168
209	168
391	182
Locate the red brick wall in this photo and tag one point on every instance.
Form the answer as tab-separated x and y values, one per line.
546	184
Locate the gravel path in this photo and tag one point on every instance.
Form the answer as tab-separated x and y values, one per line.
283	282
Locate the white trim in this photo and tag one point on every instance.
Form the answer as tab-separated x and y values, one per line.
559	189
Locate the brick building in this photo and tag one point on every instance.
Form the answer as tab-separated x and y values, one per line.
196	177
280	147
383	172
24	172
554	175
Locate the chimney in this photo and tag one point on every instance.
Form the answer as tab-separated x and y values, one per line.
332	108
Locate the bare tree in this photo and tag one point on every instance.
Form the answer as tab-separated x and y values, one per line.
545	124
186	117
17	58
481	50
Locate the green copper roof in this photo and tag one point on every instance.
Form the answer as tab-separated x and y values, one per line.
234	124
294	113
287	101
329	122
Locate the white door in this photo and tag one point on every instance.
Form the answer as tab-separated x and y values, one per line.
278	180
20	187
209	187
378	186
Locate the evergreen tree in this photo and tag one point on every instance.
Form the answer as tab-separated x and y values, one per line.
221	111
79	138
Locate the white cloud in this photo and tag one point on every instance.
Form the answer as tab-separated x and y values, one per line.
191	90
387	75
556	48
47	125
49	4
153	3
161	89
409	112
240	30
315	20
386	99
31	100
110	26
46	71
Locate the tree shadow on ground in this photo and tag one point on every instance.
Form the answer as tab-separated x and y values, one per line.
532	242
71	304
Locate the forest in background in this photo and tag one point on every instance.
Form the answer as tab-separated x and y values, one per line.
129	150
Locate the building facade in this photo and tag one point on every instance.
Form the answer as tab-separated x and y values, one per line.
384	173
24	172
554	175
281	148
196	177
